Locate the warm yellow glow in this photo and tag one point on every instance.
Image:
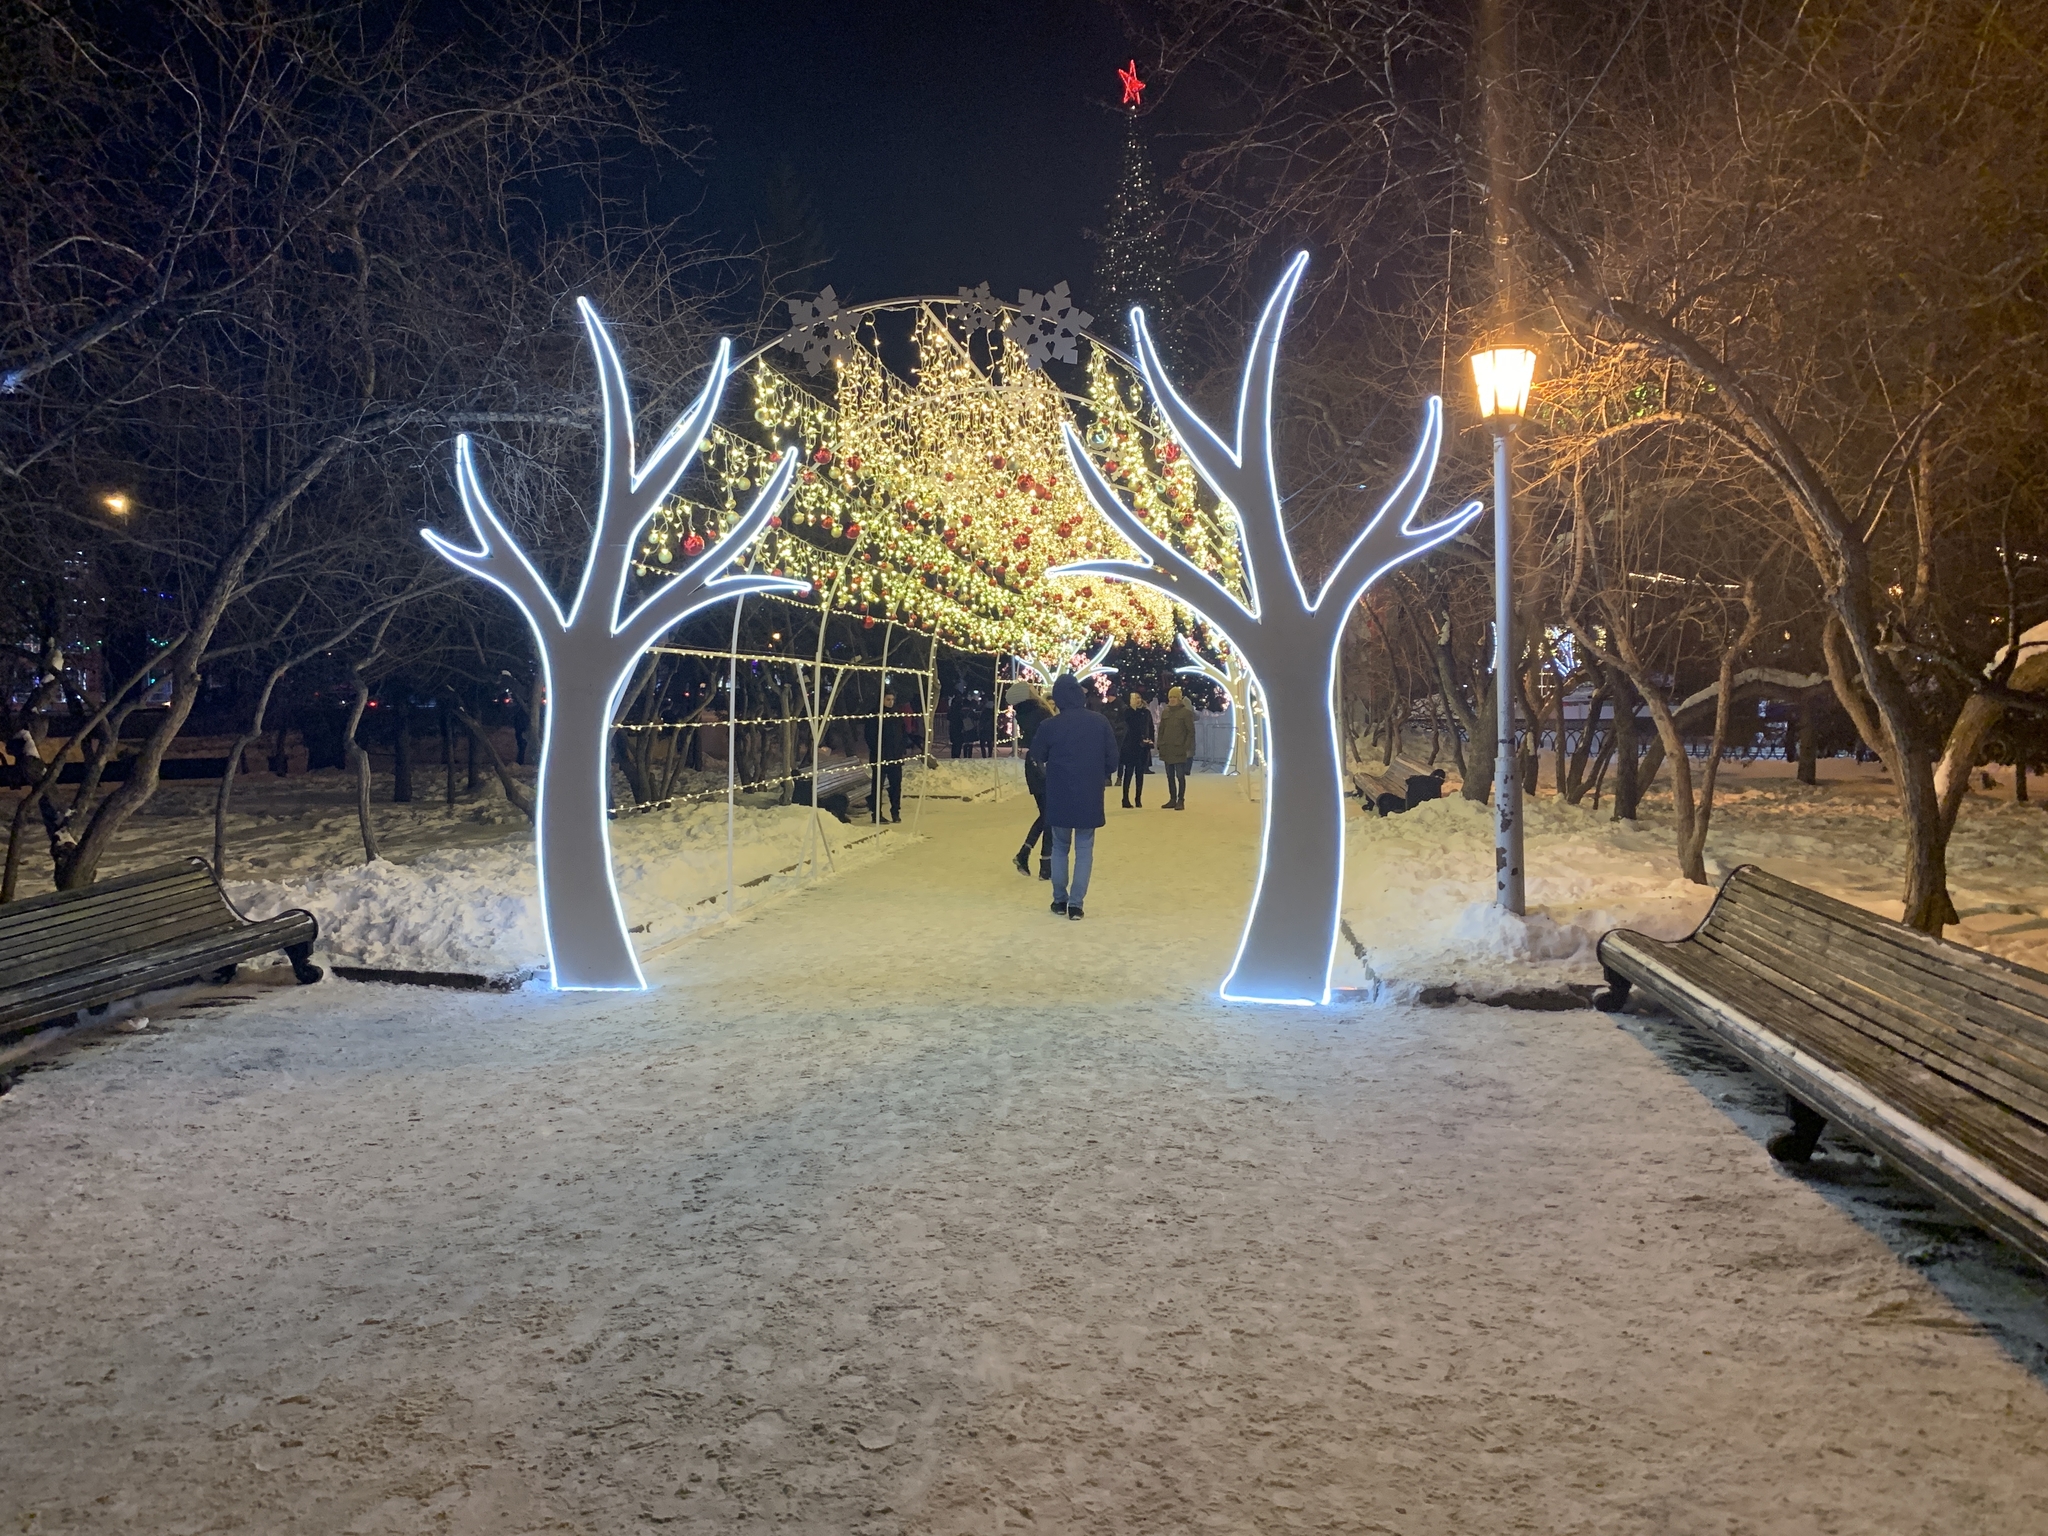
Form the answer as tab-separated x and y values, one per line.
1503	375
116	503
936	499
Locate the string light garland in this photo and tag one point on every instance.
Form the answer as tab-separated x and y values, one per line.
939	499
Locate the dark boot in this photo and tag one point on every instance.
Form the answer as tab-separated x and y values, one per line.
1127	799
1023	860
1045	866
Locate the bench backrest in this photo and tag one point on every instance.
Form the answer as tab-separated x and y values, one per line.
45	936
1874	990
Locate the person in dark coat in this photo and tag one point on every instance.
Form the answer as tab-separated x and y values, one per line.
956	723
1077	750
1137	749
1176	747
885	757
1032	712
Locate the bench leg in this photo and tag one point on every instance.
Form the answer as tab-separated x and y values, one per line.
227	973
1615	997
301	957
1797	1144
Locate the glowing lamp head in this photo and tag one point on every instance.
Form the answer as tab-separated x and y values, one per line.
116	503
1503	375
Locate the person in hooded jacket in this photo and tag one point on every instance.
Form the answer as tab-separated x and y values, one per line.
1077	750
1137	748
1032	711
1176	747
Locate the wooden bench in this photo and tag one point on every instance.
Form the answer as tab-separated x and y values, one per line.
839	786
1934	1054
75	950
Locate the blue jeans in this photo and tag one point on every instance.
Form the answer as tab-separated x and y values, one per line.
1082	839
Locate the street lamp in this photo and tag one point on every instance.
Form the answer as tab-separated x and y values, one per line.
116	503
1503	375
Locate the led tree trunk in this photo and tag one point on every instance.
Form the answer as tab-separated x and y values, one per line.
588	652
1286	638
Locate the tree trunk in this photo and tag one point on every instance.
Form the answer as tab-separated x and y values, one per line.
401	754
1627	787
574	844
1482	749
515	792
1809	739
359	759
447	756
1285	954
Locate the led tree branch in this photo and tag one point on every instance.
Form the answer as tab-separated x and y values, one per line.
1232	678
1287	639
588	653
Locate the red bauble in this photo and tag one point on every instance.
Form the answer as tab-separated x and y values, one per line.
853	530
999	461
823	455
853	462
693	545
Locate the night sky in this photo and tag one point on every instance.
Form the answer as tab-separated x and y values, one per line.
938	144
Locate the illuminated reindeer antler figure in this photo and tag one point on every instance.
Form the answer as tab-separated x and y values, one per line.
1287	639
588	653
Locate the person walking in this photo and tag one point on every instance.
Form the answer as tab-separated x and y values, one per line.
1077	750
1032	712
1137	749
886	751
1176	747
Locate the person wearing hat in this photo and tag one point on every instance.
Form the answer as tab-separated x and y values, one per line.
1032	711
1176	747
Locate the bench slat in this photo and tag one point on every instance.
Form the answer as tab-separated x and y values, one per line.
1972	1119
88	916
1978	1050
2005	980
77	946
1946	978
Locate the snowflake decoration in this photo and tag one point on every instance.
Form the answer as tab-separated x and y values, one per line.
1047	325
979	310
819	331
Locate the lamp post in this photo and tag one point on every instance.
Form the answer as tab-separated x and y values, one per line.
1503	375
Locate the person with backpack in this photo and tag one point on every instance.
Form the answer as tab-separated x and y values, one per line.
1077	750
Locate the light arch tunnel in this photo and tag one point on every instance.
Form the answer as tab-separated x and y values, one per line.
1023	484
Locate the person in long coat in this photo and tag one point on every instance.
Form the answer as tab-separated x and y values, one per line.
1137	748
1077	750
1176	747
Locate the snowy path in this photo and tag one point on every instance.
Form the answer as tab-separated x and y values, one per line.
902	1206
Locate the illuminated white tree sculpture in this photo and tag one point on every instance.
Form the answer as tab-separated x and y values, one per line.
1286	638
1236	684
1063	659
588	652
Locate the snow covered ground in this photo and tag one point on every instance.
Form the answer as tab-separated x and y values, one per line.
455	889
1420	885
900	1206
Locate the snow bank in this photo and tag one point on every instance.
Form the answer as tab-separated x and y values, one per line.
1419	887
476	907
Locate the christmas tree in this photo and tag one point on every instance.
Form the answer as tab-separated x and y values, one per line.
1136	264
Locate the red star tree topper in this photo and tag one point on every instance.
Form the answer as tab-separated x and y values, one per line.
1134	88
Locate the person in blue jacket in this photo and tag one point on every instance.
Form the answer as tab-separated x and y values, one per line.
1077	749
